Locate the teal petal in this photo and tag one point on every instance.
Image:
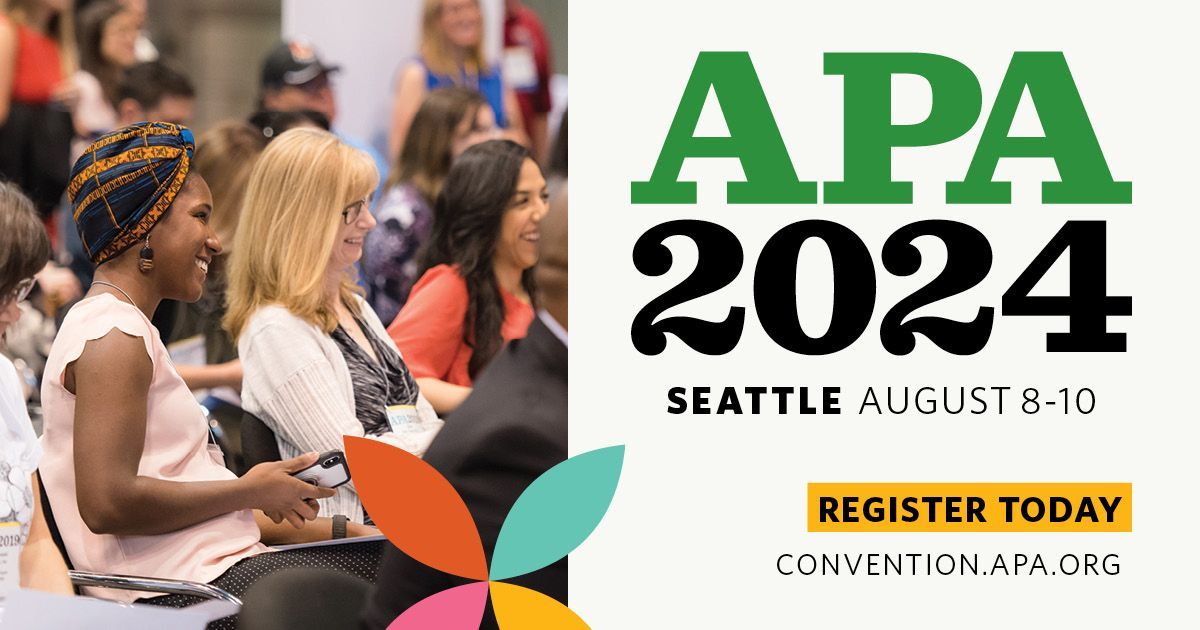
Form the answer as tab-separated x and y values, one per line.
557	512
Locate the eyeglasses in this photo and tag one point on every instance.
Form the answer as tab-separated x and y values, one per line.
352	211
19	292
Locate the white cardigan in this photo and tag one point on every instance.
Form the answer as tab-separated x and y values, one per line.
296	380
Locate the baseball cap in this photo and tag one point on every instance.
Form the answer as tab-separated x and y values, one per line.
293	63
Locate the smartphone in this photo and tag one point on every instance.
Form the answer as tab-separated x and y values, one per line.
330	471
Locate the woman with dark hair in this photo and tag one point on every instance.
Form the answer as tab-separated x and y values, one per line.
224	157
449	121
476	290
24	249
107	34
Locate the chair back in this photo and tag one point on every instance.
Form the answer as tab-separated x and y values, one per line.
258	441
51	524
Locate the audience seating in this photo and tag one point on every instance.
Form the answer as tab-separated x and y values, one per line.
126	582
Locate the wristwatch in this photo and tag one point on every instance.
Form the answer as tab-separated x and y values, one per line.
339	526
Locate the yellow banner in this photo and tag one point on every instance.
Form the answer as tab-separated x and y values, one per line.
970	507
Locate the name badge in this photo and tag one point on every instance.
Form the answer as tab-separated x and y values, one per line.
403	418
10	559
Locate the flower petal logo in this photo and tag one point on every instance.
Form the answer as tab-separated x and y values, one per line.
553	516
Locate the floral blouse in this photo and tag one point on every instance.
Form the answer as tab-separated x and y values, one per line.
390	255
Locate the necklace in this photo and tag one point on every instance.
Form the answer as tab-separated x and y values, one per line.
109	284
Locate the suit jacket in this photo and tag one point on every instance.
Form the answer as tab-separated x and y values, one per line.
510	430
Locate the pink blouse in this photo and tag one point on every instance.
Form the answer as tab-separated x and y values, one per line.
176	449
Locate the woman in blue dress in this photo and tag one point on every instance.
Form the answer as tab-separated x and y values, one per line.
452	55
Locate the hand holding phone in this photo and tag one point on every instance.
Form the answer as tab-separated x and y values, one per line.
273	488
329	471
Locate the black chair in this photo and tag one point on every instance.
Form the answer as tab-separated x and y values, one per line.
225	422
125	582
258	441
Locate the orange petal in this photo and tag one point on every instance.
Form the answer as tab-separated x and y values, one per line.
416	508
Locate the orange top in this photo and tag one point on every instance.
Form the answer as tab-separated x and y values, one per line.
38	68
429	329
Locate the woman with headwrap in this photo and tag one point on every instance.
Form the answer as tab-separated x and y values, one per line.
134	482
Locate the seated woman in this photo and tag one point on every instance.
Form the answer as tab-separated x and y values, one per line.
318	363
477	284
24	249
449	121
145	493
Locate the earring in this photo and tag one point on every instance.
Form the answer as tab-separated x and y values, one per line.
146	257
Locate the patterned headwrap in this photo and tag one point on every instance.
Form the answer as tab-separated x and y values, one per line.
124	182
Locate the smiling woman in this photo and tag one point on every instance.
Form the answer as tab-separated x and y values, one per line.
477	284
146	493
318	363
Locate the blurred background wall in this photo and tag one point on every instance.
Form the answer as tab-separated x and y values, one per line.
220	44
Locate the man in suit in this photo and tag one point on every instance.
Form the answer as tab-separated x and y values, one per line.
510	430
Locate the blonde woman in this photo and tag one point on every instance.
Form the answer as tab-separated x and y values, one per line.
452	55
318	363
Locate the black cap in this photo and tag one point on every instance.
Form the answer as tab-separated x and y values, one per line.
293	63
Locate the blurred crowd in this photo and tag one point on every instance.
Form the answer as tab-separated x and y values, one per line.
190	318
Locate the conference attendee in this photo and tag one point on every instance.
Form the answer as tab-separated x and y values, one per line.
24	249
37	61
451	53
142	46
527	64
152	90
225	155
317	361
449	121
477	287
510	430
295	79
107	32
134	483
